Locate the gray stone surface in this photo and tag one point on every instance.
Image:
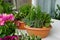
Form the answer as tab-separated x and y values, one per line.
55	31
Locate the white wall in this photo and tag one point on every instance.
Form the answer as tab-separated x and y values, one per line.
34	2
45	4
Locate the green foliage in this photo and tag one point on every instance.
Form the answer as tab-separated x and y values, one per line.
25	8
1	1
23	11
7	29
5	7
25	37
36	18
1	9
57	13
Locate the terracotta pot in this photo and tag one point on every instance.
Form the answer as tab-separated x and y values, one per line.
20	25
42	32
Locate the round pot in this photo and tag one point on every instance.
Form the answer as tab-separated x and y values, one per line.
42	32
20	25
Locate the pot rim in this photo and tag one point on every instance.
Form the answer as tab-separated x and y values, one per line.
30	28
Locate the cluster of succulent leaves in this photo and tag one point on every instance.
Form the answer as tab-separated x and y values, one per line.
26	37
57	13
38	19
23	11
5	7
7	29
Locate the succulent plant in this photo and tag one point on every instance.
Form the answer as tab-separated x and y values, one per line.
25	8
36	18
23	11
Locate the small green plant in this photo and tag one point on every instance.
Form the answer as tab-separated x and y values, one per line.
25	8
38	19
7	29
26	37
5	7
23	11
57	13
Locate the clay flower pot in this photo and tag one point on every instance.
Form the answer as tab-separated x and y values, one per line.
42	32
20	25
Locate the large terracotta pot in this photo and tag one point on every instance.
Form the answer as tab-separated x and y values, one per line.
42	32
20	25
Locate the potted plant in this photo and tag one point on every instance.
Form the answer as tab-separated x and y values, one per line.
7	26
38	22
22	13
